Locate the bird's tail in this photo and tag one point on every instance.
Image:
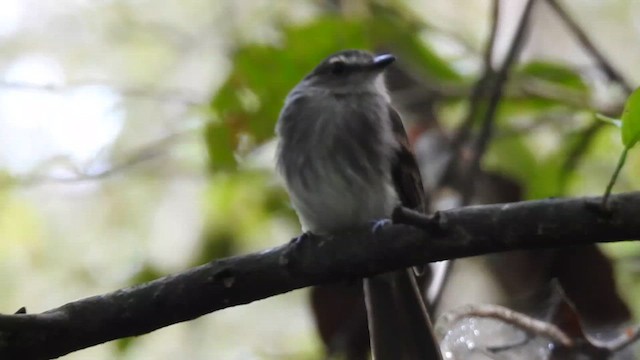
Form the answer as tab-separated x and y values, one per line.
399	325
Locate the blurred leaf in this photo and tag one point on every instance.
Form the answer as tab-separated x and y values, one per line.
630	136
546	180
145	274
511	156
217	244
401	33
541	85
520	157
621	250
631	120
20	225
123	344
554	72
239	212
221	144
526	106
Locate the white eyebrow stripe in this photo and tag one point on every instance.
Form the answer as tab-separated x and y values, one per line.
339	58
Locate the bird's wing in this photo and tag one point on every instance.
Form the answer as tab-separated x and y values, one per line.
398	320
404	169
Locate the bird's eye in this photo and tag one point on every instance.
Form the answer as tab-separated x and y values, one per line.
338	68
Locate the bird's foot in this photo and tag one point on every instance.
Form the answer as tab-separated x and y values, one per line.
300	238
376	225
294	247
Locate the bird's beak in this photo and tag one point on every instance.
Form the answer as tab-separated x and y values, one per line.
382	61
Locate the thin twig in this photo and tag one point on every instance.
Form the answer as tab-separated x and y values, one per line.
144	154
602	62
607	192
612	74
506	315
475	100
488	53
167	95
496	95
630	336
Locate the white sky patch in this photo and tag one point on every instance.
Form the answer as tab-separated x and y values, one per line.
11	13
36	125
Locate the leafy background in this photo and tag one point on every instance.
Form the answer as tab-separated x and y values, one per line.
136	139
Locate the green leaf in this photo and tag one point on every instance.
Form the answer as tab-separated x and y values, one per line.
549	85
631	120
221	144
555	73
519	106
609	120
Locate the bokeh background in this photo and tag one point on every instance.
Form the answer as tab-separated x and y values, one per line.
136	138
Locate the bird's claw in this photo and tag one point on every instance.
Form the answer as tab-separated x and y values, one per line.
300	238
379	224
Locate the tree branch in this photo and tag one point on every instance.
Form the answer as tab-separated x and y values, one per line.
182	96
511	317
480	87
314	260
495	92
587	44
478	92
78	173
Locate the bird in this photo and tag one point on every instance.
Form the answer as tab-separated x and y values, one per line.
345	160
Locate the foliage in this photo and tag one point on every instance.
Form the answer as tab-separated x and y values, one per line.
631	120
630	134
249	102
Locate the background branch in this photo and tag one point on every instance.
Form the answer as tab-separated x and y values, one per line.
182	96
98	168
478	92
495	95
601	60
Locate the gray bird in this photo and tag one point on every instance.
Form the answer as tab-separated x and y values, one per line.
345	160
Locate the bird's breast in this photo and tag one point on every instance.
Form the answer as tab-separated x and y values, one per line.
336	162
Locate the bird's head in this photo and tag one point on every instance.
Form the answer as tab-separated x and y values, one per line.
350	71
